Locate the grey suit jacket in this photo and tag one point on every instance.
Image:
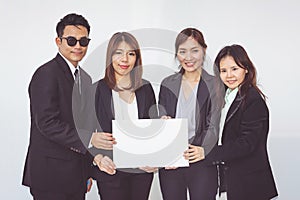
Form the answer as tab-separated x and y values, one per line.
207	107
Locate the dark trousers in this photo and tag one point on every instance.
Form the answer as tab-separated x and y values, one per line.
201	181
126	186
42	195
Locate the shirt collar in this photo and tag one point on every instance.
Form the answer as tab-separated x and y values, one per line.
231	94
71	66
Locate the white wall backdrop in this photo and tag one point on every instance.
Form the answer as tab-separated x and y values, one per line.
269	30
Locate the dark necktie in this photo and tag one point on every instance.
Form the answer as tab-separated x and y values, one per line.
76	97
77	81
76	73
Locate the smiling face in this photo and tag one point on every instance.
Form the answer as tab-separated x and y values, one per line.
231	74
74	54
123	60
190	55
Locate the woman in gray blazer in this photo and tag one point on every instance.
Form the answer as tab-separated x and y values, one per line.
190	94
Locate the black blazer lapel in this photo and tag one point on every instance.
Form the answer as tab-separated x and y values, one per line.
202	95
107	100
140	98
65	67
234	107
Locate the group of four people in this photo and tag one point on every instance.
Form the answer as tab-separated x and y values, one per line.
228	122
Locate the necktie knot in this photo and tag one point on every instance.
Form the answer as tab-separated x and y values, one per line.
76	73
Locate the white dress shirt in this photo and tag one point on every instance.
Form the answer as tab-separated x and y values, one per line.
124	110
229	98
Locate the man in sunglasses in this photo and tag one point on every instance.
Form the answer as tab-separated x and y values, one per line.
56	162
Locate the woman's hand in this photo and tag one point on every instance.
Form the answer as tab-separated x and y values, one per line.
165	117
149	169
102	140
170	168
194	154
105	164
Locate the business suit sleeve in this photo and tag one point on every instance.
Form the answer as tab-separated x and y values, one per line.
211	130
46	95
252	131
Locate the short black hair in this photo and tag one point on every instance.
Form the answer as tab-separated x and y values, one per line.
71	19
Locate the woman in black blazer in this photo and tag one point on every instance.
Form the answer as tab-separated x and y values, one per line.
241	152
190	94
122	84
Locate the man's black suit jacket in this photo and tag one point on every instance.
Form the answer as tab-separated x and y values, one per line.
56	159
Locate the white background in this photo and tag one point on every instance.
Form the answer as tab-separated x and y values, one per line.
269	31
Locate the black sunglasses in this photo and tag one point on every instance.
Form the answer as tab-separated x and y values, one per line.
72	41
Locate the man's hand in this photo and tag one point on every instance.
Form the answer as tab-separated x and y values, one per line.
105	164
